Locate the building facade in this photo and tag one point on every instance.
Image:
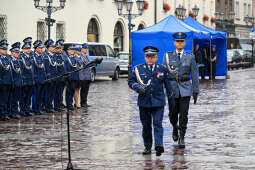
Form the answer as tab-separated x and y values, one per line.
89	20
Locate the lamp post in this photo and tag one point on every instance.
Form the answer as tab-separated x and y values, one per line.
195	10
220	19
49	9
180	12
129	15
250	20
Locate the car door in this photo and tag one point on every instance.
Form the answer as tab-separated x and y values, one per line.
95	51
112	61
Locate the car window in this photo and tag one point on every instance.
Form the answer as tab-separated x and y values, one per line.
110	51
97	50
123	56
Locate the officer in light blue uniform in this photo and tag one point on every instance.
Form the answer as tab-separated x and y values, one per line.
181	66
27	70
39	76
71	65
51	72
149	80
5	80
85	77
17	81
61	69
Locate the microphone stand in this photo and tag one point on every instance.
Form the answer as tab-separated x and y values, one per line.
90	64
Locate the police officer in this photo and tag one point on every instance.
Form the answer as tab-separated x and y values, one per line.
213	62
51	72
27	69
199	61
85	76
78	82
71	65
61	69
148	80
39	76
17	81
181	65
5	80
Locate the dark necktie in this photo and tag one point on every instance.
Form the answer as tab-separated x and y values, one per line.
151	68
179	56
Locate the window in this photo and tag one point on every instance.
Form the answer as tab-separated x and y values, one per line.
140	27
3	27
110	51
60	31
249	10
237	9
92	33
118	37
244	9
41	31
97	50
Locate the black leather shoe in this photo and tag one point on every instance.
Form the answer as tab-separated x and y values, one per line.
28	114
38	113
146	151
159	150
70	108
175	133
181	142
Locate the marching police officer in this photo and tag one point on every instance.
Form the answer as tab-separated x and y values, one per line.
39	76
5	80
61	69
27	69
51	72
181	65
148	80
85	77
17	80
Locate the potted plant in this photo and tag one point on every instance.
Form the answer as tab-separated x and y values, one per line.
213	20
146	5
206	18
166	7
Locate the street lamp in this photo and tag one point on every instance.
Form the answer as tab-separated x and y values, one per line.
231	15
129	15
180	12
195	11
49	9
250	20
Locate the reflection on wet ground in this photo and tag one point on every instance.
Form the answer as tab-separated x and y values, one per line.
221	132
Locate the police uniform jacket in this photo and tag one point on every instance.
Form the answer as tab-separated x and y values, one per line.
61	67
27	64
16	72
50	64
154	95
72	65
85	74
182	69
5	71
39	68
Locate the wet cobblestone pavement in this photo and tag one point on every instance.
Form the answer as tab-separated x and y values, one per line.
221	132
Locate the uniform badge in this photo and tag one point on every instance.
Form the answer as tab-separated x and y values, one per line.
183	63
172	67
159	74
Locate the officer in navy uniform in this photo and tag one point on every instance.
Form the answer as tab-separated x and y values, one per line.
78	83
148	81
61	69
39	76
71	65
27	69
51	72
181	65
85	77
17	81
5	80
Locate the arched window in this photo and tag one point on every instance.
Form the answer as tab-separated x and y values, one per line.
93	33
118	37
140	27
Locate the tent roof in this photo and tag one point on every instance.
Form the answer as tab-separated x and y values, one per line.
195	24
171	24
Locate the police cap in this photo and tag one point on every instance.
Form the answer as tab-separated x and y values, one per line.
150	50
179	36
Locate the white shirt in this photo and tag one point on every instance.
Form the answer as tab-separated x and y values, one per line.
180	52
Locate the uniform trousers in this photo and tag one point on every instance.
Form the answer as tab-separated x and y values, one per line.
84	91
180	113
71	84
50	89
39	90
58	98
147	115
4	99
14	104
25	101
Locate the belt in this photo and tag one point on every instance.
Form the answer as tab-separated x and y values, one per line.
180	79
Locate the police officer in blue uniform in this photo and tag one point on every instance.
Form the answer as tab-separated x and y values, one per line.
39	76
5	80
17	81
85	77
51	72
27	70
148	81
181	65
71	65
61	69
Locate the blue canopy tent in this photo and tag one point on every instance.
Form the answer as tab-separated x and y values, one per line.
219	39
160	36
